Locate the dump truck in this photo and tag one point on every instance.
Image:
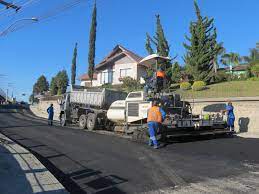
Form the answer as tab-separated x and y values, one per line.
87	107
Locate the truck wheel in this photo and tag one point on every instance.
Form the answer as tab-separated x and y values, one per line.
91	121
63	120
82	121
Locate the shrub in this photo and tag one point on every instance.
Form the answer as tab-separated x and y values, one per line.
198	85
253	79
130	84
174	86
255	70
107	85
221	76
185	86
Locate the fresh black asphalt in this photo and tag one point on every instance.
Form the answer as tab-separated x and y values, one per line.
87	162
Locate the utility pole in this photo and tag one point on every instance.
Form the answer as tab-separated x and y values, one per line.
10	5
6	100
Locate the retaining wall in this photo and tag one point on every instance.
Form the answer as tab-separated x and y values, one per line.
246	111
40	109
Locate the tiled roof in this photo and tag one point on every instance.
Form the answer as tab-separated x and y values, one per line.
85	77
117	51
242	67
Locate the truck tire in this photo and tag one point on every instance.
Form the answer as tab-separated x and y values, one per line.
82	121
63	121
91	121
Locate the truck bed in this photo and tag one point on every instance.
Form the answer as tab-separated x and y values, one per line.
98	98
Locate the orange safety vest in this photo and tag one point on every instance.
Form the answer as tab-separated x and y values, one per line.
154	115
160	74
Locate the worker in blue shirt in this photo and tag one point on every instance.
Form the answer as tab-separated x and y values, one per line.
162	112
50	112
230	116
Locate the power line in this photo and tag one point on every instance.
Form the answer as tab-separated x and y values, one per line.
23	4
10	5
50	14
59	9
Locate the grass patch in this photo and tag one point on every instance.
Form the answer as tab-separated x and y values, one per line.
225	89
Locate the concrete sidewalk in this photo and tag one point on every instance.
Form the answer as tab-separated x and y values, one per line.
248	135
21	172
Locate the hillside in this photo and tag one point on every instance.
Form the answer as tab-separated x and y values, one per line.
225	89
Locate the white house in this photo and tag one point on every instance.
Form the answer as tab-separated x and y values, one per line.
120	63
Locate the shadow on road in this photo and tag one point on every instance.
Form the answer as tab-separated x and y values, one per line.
18	126
19	175
186	139
76	177
243	123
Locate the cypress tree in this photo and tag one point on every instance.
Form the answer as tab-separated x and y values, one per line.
176	73
92	39
162	44
162	48
73	67
158	41
203	47
149	45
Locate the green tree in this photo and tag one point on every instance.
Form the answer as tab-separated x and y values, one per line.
159	41
252	59
62	81
92	39
220	52
73	67
253	56
41	85
53	86
255	70
230	59
160	44
176	73
149	45
202	49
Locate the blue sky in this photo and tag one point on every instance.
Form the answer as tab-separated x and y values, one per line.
47	47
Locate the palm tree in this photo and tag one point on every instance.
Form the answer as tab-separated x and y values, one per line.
253	56
231	59
252	59
220	52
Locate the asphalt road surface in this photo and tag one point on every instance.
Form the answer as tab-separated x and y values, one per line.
87	162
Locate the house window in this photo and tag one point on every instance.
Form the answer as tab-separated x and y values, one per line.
125	72
106	77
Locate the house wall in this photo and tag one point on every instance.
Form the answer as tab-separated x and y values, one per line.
88	83
121	67
123	64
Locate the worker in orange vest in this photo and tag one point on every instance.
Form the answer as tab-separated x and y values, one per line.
155	117
160	78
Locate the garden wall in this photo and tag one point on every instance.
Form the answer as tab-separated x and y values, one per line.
246	111
40	109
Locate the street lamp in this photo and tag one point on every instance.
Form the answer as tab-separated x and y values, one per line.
5	31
